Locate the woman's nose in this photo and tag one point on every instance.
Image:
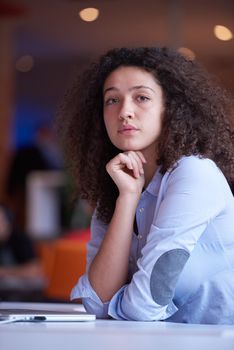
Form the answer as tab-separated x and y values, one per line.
126	112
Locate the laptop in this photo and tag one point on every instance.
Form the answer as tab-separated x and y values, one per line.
39	315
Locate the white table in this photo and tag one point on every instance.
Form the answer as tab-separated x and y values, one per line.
110	334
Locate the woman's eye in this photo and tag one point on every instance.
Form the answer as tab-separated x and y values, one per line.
142	98
111	101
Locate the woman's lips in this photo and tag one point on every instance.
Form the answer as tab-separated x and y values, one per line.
128	130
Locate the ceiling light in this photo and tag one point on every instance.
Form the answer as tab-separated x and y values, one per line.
24	63
187	53
222	33
89	14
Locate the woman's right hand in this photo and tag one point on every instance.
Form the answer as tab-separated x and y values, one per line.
126	170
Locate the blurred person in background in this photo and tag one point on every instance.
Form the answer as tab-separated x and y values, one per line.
43	154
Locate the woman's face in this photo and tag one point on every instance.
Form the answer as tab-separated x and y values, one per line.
133	109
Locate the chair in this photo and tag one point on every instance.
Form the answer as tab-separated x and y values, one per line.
68	264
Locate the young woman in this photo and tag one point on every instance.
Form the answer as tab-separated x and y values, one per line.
151	144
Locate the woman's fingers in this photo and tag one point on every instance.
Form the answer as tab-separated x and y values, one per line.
131	160
126	170
125	161
136	163
140	154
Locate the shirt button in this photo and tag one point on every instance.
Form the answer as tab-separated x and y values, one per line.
141	210
139	236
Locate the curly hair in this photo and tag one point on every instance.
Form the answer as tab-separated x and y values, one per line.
197	120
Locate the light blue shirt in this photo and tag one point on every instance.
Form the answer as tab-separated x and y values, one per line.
181	264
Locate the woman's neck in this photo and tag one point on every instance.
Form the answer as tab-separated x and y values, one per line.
150	167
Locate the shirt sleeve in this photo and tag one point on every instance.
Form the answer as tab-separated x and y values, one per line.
83	288
190	197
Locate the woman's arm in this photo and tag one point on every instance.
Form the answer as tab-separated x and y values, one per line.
108	270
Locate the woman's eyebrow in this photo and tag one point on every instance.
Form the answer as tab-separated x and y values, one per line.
141	87
130	89
110	89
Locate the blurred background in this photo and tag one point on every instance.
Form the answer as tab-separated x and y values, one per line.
42	45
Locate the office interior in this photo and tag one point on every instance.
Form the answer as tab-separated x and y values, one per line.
43	46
